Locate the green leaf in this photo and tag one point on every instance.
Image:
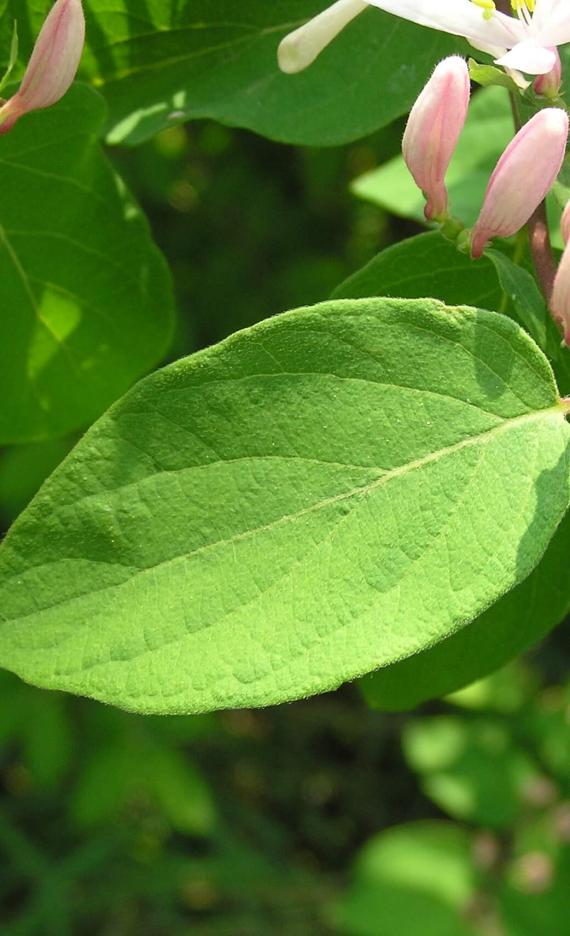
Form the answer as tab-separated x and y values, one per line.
488	75
531	311
488	129
85	294
426	265
514	624
470	769
415	878
320	495
430	265
159	62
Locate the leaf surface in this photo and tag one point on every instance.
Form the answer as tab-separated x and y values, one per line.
325	493
86	298
158	62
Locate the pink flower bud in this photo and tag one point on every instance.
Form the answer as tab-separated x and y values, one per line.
53	64
433	128
560	299
522	177
565	223
549	85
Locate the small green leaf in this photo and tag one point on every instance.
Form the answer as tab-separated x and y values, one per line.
471	769
531	311
489	75
415	878
323	494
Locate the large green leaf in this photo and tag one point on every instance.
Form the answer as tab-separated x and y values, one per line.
430	265
86	296
322	494
162	61
426	265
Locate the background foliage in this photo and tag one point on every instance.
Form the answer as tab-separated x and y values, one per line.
328	815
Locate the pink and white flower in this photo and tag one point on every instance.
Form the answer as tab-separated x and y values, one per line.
53	63
523	176
433	129
523	42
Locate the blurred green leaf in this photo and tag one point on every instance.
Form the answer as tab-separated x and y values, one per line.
23	468
471	769
504	691
86	295
535	899
417	878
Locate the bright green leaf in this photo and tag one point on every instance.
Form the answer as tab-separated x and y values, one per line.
520	619
325	493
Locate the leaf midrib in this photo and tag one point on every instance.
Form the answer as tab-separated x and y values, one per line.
400	471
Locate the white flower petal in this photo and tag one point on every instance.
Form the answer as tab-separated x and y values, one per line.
529	57
458	17
552	27
300	48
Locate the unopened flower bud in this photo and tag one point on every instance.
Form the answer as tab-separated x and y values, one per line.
560	298
549	85
565	223
53	64
522	177
299	49
433	128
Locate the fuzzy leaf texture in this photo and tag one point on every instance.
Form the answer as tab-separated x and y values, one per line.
323	494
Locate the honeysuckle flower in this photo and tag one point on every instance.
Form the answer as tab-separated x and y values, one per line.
53	63
549	85
523	41
301	47
432	131
560	299
522	177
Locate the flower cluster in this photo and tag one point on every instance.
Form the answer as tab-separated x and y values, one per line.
525	41
521	178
